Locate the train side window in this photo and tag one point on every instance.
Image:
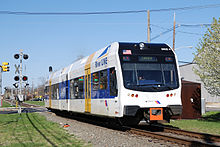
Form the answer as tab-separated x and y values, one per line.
75	88
72	89
54	95
52	92
46	91
67	89
63	90
103	80
95	81
89	86
80	87
55	91
113	82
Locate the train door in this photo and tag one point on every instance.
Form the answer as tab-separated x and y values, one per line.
50	91
88	90
50	94
88	84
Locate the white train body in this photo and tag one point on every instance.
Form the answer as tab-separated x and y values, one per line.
122	80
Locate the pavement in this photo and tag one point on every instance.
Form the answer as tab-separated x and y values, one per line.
212	107
12	110
208	109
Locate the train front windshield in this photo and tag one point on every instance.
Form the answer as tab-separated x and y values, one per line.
149	72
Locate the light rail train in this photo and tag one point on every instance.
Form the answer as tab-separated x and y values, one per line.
127	81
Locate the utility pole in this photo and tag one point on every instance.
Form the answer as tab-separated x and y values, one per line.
174	27
148	26
0	87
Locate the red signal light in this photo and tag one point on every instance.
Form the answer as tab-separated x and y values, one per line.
25	78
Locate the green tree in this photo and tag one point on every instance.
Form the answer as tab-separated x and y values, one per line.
208	58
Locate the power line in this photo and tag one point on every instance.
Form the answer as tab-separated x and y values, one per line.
110	12
187	8
178	25
70	13
194	25
186	62
167	31
190	33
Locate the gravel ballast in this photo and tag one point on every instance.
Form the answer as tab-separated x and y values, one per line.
98	136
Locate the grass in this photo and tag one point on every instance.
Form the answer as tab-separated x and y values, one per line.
5	104
32	129
40	103
209	123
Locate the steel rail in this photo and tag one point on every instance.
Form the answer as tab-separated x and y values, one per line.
169	138
22	104
204	136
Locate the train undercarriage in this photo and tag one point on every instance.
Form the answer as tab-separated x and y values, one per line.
134	114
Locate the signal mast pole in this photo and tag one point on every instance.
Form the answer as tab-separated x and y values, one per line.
20	73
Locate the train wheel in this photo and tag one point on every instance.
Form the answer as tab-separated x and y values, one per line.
129	120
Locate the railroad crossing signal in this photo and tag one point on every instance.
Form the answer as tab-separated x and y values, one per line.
24	78
26	85
16	78
16	56
25	56
15	85
17	69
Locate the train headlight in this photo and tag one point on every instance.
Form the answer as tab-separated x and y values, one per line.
141	45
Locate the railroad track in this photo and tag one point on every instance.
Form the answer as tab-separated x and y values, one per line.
23	104
204	136
170	135
25	108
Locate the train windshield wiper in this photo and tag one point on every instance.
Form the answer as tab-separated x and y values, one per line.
171	88
155	84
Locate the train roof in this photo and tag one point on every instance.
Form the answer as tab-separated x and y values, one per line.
77	68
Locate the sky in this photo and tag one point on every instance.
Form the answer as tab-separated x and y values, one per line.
57	40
